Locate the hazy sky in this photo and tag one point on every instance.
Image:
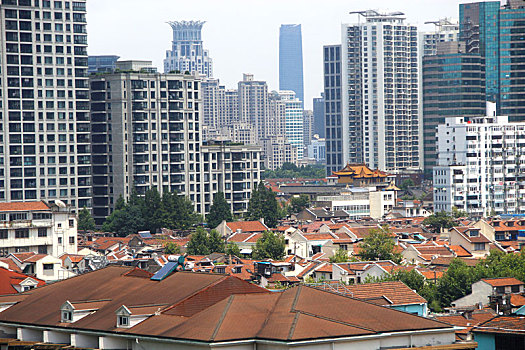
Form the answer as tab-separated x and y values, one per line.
241	35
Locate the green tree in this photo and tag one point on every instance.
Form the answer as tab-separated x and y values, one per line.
455	283
438	221
151	208
289	170
198	244
298	204
269	246
340	256
220	210
85	220
263	204
171	248
406	184
379	245
233	249
204	243
457	213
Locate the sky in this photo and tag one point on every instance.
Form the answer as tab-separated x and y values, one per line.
242	36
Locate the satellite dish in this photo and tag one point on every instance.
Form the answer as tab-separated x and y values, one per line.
59	203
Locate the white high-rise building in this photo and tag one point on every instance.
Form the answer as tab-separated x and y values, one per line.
481	165
253	104
380	93
44	102
293	120
187	53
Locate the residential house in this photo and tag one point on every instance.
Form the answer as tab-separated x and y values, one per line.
487	287
42	266
119	307
13	282
321	214
471	239
501	333
40	227
424	253
467	320
226	229
358	272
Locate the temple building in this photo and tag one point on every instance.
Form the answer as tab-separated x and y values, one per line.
361	175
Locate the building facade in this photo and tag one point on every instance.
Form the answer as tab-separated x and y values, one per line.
380	93
333	112
446	30
308	127
291	59
102	63
187	52
44	228
44	102
453	86
318	109
145	133
481	165
293	121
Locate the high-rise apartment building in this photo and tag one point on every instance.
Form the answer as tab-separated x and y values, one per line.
291	59
446	30
293	120
318	109
44	102
453	86
253	104
308	127
145	133
380	93
333	112
187	53
213	101
481	165
495	32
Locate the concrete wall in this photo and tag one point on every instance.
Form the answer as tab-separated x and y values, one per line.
480	293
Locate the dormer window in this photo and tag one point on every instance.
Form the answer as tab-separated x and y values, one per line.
123	321
474	233
67	316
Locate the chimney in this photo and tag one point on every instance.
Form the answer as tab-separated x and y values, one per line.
261	220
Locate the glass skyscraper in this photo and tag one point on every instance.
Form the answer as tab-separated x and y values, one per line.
291	59
497	33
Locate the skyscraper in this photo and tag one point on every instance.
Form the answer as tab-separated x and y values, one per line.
380	93
446	30
318	109
496	33
44	109
187	53
253	104
333	114
291	59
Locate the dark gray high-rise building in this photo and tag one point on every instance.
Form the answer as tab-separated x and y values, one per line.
333	115
291	59
319	115
44	102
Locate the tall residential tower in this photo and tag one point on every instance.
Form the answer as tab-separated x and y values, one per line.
44	102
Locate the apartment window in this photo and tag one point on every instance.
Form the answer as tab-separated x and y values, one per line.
42	232
22	233
59	240
18	216
71	223
4	234
71	240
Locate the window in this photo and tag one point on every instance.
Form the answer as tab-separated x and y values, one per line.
22	233
500	290
515	289
479	246
67	316
18	216
42	232
4	234
71	240
71	223
48	267
123	321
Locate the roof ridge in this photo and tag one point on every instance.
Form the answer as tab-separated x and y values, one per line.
336	321
223	316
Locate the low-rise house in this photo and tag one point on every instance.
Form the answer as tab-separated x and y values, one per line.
40	227
13	282
394	294
471	239
44	267
424	253
357	272
321	214
306	245
226	229
409	208
501	333
118	308
487	287
74	262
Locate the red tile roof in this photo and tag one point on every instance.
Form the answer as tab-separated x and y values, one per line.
9	279
396	292
503	324
247	226
502	282
11	265
517	300
477	317
23	206
460	251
